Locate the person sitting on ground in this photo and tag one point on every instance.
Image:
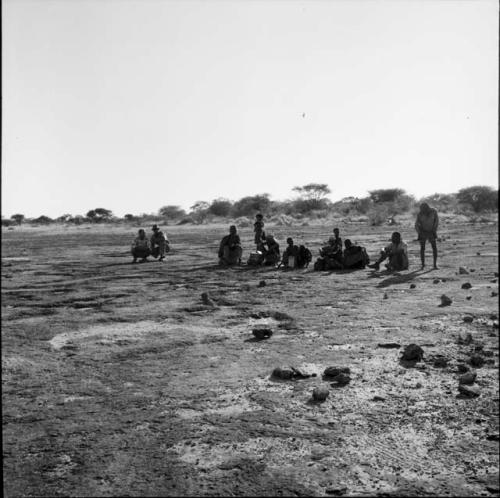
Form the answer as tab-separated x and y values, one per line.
141	247
331	254
396	252
304	257
258	228
426	227
355	257
290	255
159	243
271	251
230	250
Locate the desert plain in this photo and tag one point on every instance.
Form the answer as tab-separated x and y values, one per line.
119	380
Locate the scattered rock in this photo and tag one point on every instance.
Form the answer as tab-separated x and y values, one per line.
492	437
331	372
496	274
378	398
478	253
336	491
468	319
461	368
386	296
262	283
436	281
205	298
467	378
413	286
445	300
493	316
469	391
262	333
413	352
467	285
472	270
389	345
320	393
494	281
494	294
463	271
283	373
476	360
468	298
441	362
304	371
478	348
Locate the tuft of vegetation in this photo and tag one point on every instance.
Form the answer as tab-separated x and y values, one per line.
478	198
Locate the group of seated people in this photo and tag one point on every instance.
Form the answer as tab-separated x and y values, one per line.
332	256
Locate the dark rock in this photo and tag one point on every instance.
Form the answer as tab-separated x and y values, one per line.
386	296
493	316
461	368
476	360
436	281
378	398
468	319
492	437
283	373
496	274
472	270
488	354
467	285
262	333
445	300
262	283
441	362
468	298
336	491
478	253
412	286
469	391
413	352
320	393
389	345
494	281
494	294
463	271
467	378
332	372
341	379
478	348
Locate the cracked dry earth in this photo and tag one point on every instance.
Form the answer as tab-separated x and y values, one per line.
119	380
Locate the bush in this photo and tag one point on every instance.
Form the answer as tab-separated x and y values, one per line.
220	207
251	205
479	198
386	194
172	212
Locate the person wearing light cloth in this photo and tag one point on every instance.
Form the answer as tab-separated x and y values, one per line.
290	255
141	247
426	227
230	250
396	252
159	243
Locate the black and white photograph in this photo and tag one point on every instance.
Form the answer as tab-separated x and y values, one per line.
250	248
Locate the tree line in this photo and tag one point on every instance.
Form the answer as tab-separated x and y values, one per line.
378	206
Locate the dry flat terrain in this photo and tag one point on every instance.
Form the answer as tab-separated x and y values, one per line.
119	380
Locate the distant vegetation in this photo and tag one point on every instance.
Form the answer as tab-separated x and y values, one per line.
379	207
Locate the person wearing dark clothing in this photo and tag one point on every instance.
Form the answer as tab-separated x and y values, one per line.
230	250
354	257
290	255
271	251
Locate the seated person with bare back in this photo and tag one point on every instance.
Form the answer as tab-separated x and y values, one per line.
141	248
396	252
355	257
230	250
271	251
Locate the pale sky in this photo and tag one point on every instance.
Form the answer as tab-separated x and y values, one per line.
131	105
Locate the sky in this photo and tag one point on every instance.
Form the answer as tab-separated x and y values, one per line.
132	105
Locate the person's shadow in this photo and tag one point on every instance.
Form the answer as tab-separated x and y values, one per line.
398	278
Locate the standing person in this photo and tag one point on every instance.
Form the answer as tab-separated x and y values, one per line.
258	228
159	243
141	247
230	250
397	252
426	227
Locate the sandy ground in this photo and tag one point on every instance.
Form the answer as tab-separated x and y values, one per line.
118	380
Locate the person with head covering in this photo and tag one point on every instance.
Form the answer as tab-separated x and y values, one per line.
426	226
271	251
396	252
141	247
230	250
354	257
159	243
